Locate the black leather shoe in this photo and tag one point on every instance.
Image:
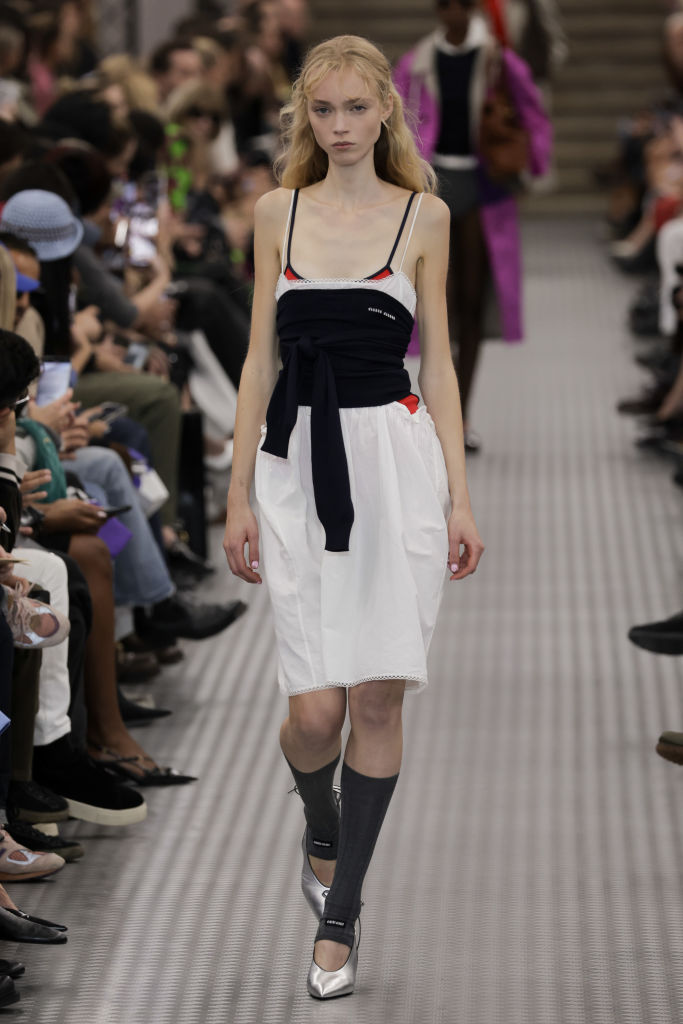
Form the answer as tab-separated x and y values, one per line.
134	713
165	652
8	993
178	617
132	667
665	637
37	920
648	401
18	927
181	556
12	968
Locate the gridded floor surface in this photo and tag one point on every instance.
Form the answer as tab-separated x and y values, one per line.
530	868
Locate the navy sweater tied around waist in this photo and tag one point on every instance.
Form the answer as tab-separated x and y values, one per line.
340	349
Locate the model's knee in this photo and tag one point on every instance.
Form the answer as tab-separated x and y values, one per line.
313	728
376	708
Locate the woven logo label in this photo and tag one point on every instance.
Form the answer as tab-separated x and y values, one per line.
382	312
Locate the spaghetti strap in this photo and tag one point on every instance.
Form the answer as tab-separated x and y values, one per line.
287	240
295	201
412	228
400	230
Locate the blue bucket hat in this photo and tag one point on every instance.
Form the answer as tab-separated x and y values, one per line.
45	221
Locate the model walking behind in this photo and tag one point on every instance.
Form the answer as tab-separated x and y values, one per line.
445	82
362	493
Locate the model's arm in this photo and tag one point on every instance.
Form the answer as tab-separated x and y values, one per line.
256	386
438	382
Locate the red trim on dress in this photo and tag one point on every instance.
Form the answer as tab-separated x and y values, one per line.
411	402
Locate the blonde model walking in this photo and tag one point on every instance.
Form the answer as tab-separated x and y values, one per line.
363	499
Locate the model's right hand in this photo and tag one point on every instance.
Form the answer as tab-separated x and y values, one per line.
241	529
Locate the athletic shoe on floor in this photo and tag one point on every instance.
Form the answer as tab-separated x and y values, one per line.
27	801
17	864
34	624
91	791
38	842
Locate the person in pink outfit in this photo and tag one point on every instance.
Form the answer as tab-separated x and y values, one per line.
444	83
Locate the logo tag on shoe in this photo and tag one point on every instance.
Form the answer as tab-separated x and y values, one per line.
322	842
334	923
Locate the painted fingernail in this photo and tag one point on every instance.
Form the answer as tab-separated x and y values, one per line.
254	565
454	566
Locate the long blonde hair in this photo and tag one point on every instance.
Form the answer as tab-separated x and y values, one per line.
302	162
8	290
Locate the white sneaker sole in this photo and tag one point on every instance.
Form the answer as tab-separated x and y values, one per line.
106	815
47	828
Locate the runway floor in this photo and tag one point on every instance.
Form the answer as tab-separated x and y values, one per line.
529	871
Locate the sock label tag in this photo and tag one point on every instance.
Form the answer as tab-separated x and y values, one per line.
322	842
335	923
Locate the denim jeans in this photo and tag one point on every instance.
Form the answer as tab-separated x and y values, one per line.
141	575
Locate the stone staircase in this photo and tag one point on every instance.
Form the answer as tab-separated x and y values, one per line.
614	68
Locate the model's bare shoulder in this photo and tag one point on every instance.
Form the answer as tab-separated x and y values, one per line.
272	207
434	212
432	230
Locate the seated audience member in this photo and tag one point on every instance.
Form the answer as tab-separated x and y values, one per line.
70	525
172	64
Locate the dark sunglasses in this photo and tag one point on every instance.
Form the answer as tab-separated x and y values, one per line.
200	112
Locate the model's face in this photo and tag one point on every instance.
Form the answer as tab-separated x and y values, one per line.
454	15
346	116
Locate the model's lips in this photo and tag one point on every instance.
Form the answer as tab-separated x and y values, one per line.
342	145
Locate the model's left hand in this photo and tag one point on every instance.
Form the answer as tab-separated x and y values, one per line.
462	531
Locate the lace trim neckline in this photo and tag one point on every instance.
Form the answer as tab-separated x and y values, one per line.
348	280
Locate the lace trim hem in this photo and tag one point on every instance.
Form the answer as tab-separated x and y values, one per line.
419	679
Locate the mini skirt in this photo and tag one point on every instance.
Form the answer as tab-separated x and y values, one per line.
343	618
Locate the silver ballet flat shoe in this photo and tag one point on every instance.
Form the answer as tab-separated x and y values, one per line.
323	984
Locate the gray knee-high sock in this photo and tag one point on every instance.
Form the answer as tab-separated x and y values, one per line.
320	808
364	803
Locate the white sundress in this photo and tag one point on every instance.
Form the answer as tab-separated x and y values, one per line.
347	617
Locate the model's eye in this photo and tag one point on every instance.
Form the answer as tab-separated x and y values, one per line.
359	106
321	110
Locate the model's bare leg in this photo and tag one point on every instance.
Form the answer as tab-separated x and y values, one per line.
374	749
